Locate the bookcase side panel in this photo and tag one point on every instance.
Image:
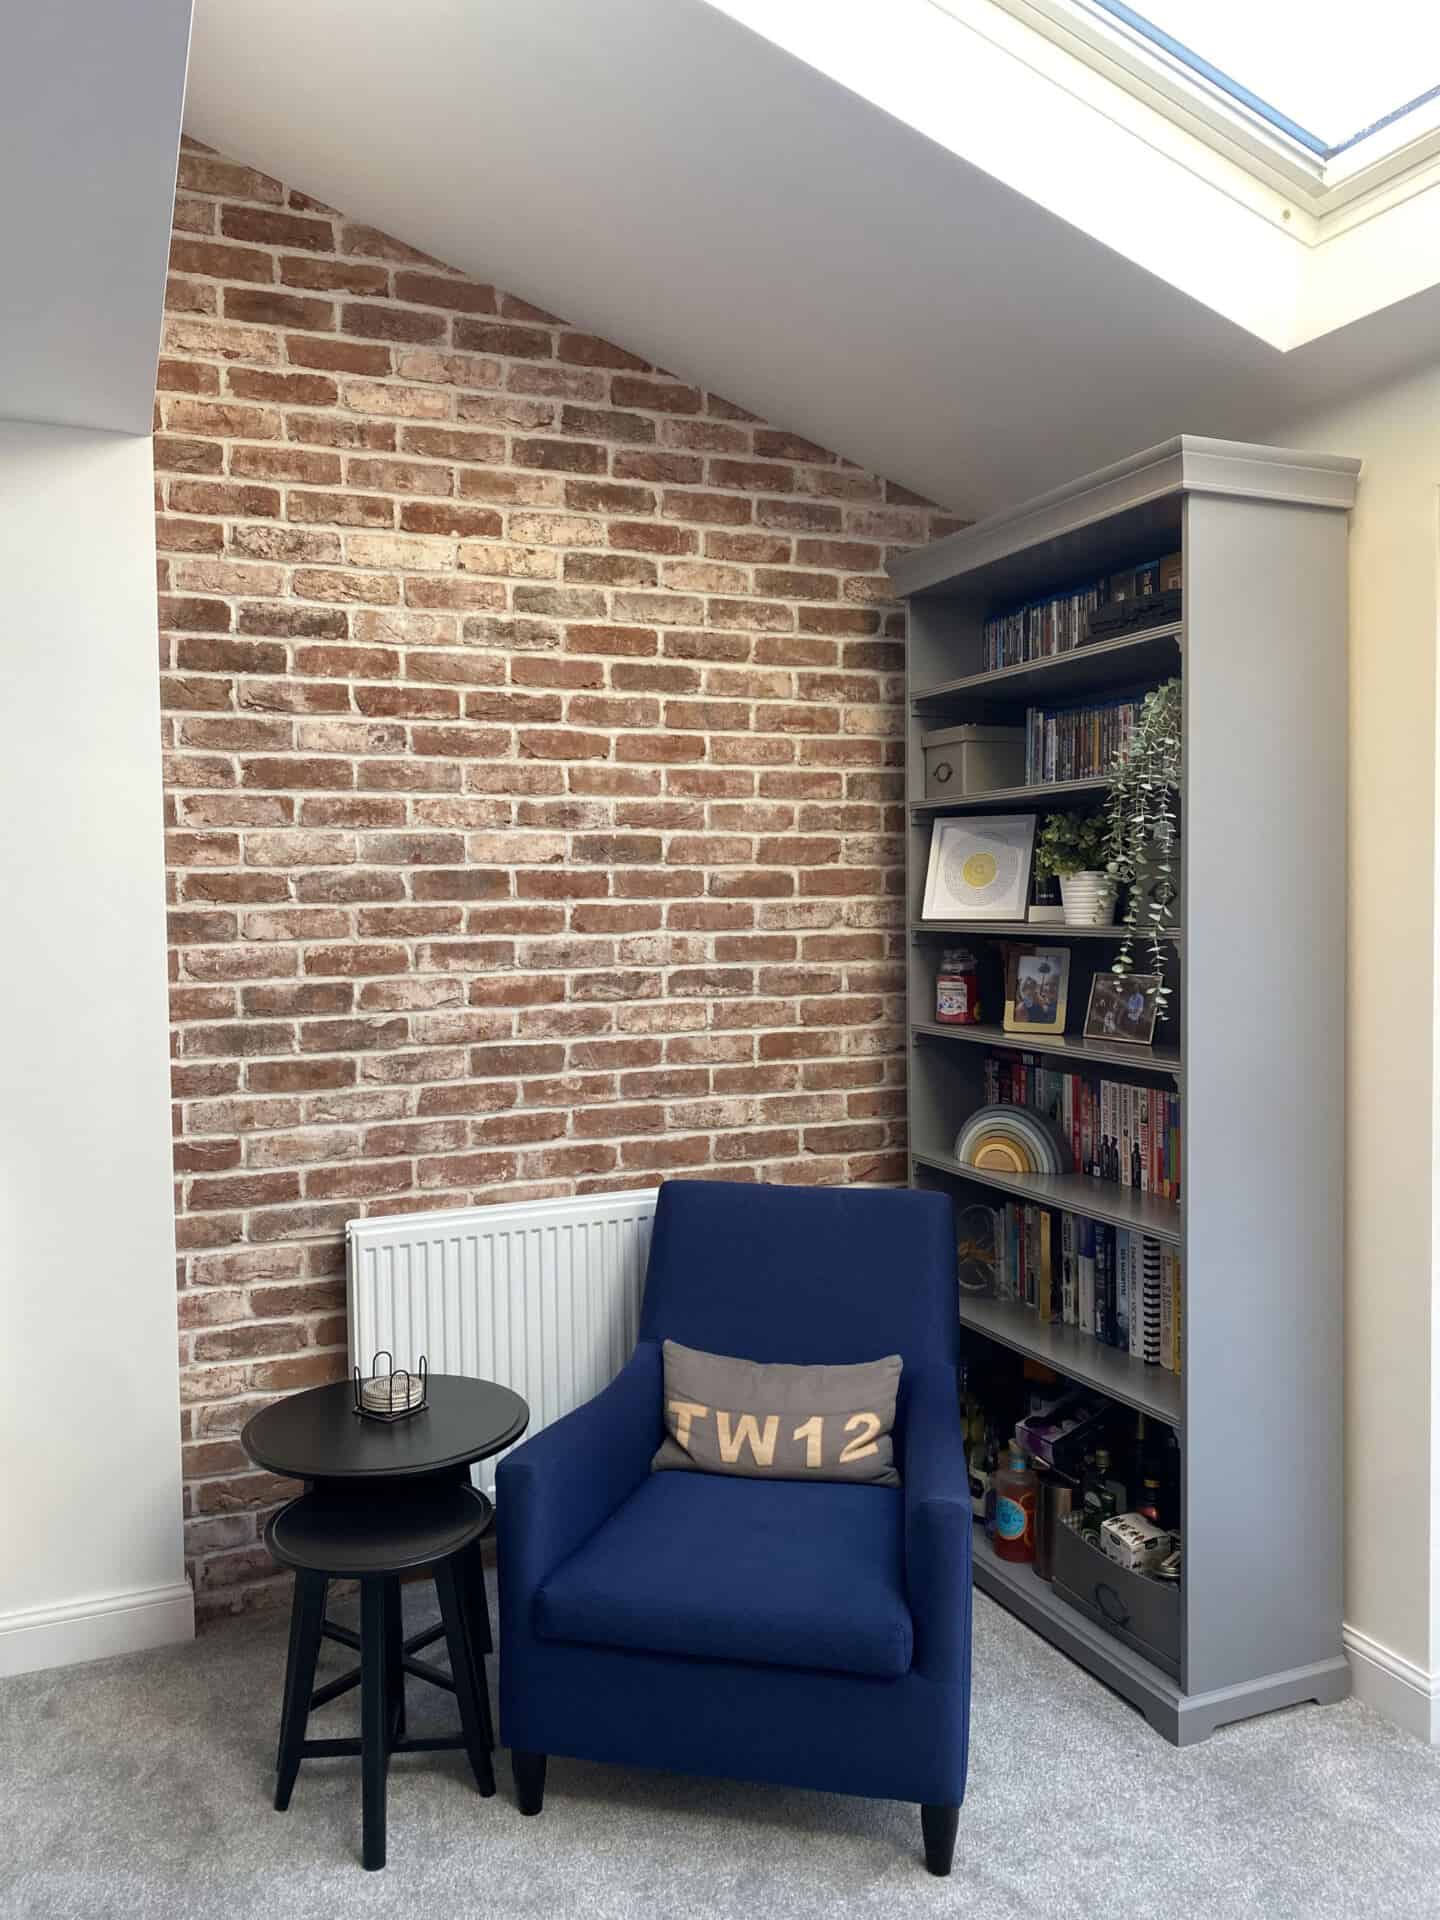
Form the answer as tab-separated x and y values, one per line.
1264	1022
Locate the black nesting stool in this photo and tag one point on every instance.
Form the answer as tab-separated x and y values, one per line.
355	1536
384	1498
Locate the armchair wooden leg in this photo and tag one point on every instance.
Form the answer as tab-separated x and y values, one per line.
529	1772
939	1826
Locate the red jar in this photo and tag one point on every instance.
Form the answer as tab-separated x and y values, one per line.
957	989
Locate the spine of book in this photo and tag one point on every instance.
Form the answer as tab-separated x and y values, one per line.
1104	1293
1167	1308
1045	1297
1122	1289
1150	1303
1177	1323
1067	1270
1086	1276
1147	1145
1127	1132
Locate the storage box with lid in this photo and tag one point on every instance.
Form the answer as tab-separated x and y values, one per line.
972	759
1140	1611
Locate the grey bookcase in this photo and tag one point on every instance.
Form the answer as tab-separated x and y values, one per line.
1254	1037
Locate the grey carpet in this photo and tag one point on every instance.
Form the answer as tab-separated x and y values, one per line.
139	1788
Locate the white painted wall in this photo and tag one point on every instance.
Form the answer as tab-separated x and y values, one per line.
1392	1560
89	1419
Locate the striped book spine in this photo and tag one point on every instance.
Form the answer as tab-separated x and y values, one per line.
1150	1289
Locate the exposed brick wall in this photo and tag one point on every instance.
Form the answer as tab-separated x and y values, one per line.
532	736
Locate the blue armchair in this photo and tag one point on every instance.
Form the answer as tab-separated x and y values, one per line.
813	1635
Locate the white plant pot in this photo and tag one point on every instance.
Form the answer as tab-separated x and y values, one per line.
1089	899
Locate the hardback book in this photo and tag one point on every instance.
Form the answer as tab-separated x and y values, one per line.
1121	1335
1104	1287
1069	1301
1167	1308
1086	1275
1149	1303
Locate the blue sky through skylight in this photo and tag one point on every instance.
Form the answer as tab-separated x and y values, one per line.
1327	70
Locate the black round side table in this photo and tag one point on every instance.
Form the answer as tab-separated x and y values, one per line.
317	1435
385	1498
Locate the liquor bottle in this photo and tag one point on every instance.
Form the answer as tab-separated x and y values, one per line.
1103	1495
1015	1509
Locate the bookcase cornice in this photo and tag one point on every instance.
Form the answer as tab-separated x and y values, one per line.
1188	463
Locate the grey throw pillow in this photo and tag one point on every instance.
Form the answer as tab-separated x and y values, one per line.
779	1422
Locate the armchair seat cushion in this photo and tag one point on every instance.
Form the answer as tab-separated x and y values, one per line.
776	1573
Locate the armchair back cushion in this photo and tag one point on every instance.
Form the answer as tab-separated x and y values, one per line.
810	1276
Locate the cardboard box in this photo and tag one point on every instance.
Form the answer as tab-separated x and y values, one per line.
967	760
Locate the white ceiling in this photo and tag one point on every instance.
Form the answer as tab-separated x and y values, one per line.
665	177
90	98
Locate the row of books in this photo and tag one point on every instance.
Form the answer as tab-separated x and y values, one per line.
1118	1285
1058	622
1077	742
1116	1131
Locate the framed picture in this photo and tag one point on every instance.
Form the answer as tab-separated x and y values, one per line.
1037	985
980	868
1123	1007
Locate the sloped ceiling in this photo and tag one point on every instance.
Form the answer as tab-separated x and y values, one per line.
665	177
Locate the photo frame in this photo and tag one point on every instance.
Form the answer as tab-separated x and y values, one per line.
1037	990
1123	1008
980	867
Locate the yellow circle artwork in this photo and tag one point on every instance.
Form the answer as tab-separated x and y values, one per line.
979	869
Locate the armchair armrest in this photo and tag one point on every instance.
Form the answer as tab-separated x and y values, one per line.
560	1485
938	1523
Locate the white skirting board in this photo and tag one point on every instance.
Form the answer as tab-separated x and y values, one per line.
94	1629
1395	1687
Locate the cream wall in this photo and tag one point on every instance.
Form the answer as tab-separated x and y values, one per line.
89	1415
1392	1508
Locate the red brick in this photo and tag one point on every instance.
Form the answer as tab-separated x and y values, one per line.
336	356
331	276
270	229
559	456
440	290
290	389
376	321
269	307
584	350
502	337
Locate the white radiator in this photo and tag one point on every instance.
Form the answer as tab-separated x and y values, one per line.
543	1296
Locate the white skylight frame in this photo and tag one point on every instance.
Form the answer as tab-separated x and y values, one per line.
1404	149
1181	181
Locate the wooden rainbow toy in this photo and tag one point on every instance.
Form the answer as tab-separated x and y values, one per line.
1010	1140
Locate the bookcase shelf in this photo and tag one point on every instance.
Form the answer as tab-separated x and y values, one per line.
1068	1049
1103	664
1149	1390
1033	1600
1043	932
1050	793
1074	1193
1261	656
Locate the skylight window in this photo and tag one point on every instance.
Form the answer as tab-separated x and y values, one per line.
1325	74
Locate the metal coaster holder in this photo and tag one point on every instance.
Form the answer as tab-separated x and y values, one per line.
393	1373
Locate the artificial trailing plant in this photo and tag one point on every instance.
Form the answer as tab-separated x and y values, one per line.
1070	843
1142	828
